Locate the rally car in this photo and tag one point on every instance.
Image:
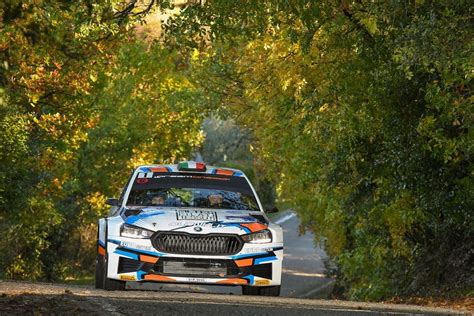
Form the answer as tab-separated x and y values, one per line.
189	223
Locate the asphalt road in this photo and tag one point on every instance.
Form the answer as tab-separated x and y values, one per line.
303	268
23	298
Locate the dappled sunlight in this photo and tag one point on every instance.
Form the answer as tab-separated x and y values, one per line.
304	274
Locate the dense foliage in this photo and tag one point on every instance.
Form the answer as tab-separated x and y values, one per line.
362	114
82	101
360	111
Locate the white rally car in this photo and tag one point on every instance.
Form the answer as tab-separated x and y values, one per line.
189	223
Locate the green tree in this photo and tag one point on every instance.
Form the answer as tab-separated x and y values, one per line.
82	101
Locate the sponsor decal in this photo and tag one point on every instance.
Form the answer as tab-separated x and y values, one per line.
187	224
196	215
128	277
128	244
256	250
142	180
200	224
262	282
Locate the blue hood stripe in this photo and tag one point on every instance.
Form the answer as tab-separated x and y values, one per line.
134	218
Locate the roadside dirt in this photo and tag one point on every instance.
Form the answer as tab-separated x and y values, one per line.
28	304
466	303
53	299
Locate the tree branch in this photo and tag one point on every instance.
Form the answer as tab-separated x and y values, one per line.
350	16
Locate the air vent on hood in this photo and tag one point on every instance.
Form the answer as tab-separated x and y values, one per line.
132	211
260	218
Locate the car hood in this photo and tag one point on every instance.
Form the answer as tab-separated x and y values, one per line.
196	220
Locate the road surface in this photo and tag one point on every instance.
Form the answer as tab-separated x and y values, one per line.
23	298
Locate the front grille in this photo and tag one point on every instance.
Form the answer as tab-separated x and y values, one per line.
183	243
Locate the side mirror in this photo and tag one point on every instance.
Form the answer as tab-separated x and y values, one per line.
271	209
112	202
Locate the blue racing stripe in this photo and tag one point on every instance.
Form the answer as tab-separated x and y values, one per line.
250	278
101	243
140	274
266	259
132	219
145	252
114	241
247	255
126	254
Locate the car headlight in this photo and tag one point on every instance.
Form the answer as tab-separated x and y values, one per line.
261	237
134	232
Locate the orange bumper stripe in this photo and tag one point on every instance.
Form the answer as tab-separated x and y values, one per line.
254	227
232	281
155	277
244	262
101	250
149	259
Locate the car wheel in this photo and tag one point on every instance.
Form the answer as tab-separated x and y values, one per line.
99	266
261	290
99	272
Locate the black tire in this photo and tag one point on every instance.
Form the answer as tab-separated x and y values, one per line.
261	290
99	272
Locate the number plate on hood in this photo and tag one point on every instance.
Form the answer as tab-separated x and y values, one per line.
196	215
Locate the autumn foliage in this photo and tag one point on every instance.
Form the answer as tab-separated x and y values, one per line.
82	101
360	113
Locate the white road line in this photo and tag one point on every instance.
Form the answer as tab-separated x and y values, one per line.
285	218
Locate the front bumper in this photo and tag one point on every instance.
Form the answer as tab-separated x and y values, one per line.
137	260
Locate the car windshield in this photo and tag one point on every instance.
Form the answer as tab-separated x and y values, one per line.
192	190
